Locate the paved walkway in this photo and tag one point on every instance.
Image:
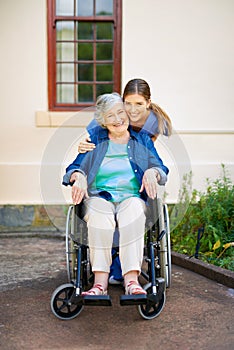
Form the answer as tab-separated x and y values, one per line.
198	313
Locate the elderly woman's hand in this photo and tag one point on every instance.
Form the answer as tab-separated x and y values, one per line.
149	182
85	145
79	187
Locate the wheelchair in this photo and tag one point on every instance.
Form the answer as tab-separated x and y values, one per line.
67	301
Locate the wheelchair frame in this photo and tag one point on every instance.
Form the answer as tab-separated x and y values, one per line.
67	301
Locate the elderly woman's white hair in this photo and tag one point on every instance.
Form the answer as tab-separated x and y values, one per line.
104	103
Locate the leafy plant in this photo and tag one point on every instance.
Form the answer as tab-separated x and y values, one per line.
210	215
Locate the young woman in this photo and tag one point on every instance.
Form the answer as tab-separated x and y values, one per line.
115	180
144	115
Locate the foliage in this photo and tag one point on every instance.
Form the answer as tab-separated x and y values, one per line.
210	215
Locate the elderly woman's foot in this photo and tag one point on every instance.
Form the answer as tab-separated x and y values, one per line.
97	289
134	288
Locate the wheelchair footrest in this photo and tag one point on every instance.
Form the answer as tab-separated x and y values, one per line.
97	300
133	299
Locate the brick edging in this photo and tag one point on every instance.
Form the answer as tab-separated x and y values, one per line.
210	271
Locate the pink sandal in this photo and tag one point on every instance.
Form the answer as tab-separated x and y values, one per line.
134	288
97	289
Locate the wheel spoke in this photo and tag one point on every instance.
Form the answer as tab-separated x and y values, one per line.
147	308
63	306
60	299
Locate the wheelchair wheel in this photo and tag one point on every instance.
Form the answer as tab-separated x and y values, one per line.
70	259
70	249
151	310
60	303
165	251
168	245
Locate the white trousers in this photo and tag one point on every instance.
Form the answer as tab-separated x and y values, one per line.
102	217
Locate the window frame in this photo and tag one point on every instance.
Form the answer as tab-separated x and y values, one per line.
116	19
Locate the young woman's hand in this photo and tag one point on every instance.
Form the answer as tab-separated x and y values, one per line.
149	182
86	145
79	187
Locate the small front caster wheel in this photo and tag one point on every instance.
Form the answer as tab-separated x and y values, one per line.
151	310
61	304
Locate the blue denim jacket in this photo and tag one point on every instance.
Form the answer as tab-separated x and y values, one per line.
141	153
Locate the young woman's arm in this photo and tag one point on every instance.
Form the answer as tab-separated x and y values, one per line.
85	145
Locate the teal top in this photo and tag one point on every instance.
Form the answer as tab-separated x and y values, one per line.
115	175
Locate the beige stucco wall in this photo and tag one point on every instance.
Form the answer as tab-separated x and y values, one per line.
184	49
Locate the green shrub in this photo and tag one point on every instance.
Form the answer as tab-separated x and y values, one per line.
212	213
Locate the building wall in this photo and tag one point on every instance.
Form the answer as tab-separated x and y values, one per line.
184	49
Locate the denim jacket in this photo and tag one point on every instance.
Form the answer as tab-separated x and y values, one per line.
142	155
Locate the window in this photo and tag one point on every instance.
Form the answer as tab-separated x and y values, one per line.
84	51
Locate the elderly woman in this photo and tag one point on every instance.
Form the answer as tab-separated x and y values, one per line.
114	180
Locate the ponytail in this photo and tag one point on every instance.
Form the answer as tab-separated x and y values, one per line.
164	122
